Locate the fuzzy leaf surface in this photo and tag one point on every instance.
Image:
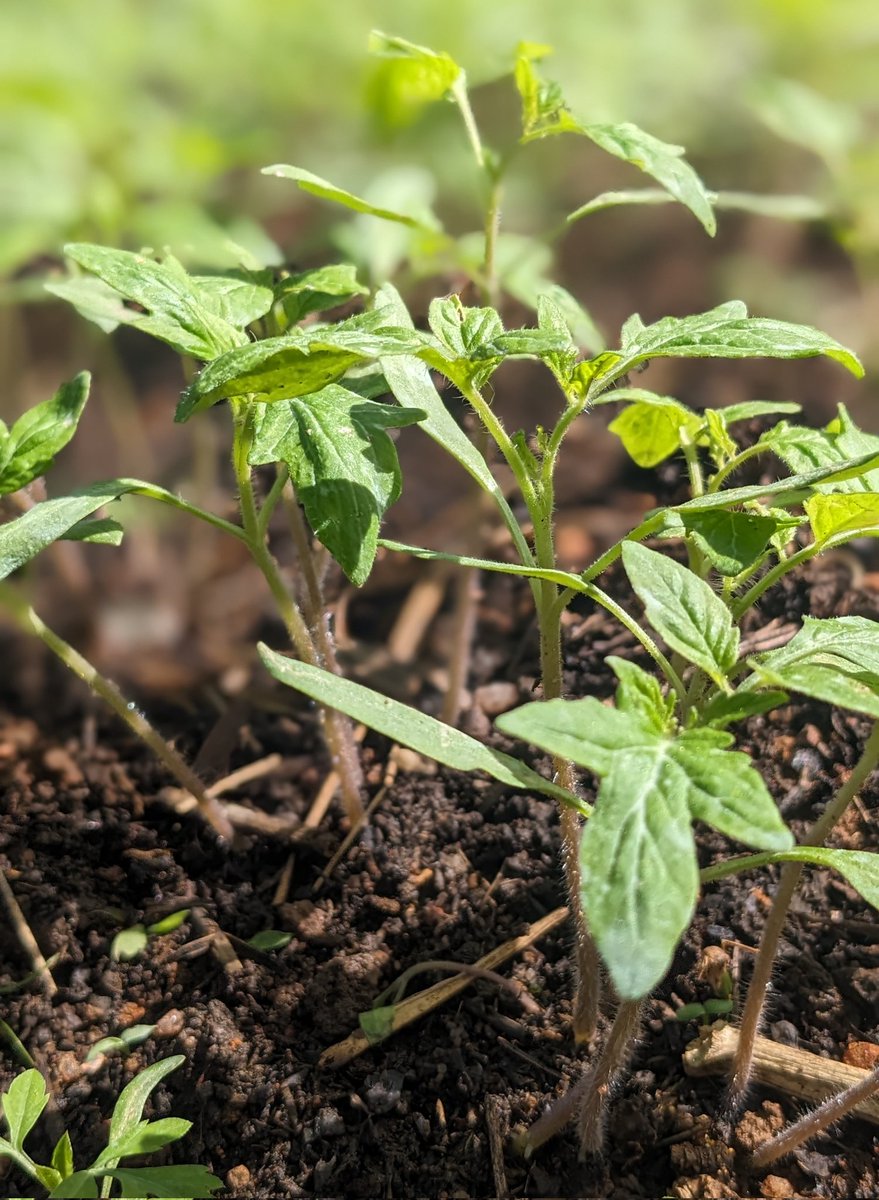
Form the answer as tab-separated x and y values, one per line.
843	515
732	541
638	856
408	726
29	448
175	311
834	659
650	429
683	610
343	464
321	288
128	1110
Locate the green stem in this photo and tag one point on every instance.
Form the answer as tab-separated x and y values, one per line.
462	99
790	877
336	727
270	503
27	620
724	472
772	577
492	228
644	638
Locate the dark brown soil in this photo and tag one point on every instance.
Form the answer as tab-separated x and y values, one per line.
448	868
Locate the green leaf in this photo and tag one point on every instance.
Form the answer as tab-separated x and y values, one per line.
638	857
328	191
270	939
683	610
733	542
842	516
168	924
410	381
377	1023
749	409
724	709
801	448
316	290
62	1156
143	1138
128	943
170	1183
298	363
235	298
783	208
663	161
22	1105
650	429
128	1111
639	695
552	574
106	1045
81	1185
409	727
23	1161
859	867
835	660
569	310
29	448
411	76
97	531
176	312
343	465
724	332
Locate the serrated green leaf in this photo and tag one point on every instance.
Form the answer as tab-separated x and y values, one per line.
410	381
328	191
298	363
166	1183
81	1185
843	515
128	943
143	1138
639	695
586	732
733	542
801	448
650	430
175	312
270	939
683	610
62	1156
544	111
23	1103
319	289
409	727
94	300
859	867
29	448
835	660
724	332
128	1110
582	327
343	465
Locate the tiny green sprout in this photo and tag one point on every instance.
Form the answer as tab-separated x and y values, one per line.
130	1135
132	941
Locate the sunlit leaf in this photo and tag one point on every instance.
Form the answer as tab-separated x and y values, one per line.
29	448
328	191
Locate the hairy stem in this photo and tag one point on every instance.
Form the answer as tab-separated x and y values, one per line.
336	727
790	877
832	1110
27	620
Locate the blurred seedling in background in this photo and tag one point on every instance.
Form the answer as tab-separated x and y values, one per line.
132	941
129	1136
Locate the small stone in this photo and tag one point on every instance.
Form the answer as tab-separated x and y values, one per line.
861	1054
496	698
169	1024
774	1187
58	762
329	1123
755	1128
238	1177
129	1014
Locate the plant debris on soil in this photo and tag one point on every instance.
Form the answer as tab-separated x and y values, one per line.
447	868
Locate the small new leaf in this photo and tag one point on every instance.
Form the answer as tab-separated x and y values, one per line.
732	542
651	428
841	516
29	448
683	610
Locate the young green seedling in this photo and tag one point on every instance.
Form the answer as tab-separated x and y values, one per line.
129	1136
663	754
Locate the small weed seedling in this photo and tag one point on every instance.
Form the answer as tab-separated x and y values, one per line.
129	1136
303	394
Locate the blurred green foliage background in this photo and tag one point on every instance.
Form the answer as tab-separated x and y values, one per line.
145	123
